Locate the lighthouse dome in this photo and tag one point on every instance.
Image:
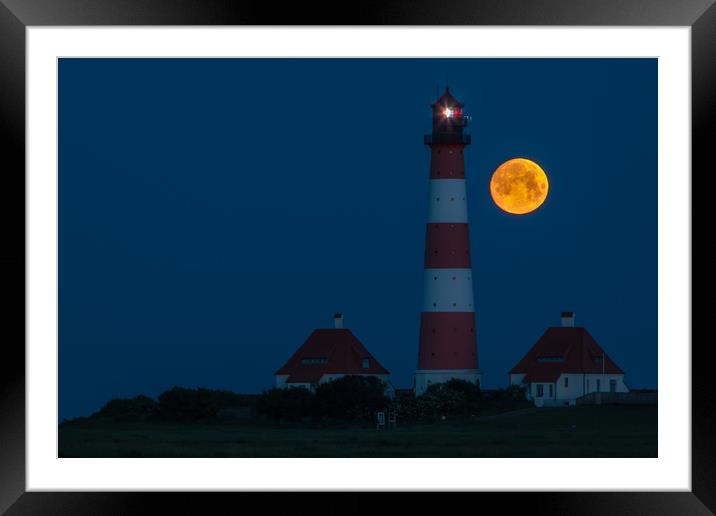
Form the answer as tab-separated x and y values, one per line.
447	101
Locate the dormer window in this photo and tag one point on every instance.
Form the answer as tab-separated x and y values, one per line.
547	359
366	363
314	360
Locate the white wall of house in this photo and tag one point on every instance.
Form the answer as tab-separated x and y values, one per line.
281	382
330	377
302	385
548	392
576	385
570	386
591	381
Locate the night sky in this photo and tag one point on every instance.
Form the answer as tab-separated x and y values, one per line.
213	212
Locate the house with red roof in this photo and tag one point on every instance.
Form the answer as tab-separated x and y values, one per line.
565	364
329	354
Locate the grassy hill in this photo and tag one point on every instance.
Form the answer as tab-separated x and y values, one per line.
583	431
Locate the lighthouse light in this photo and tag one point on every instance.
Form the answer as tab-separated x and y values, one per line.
448	112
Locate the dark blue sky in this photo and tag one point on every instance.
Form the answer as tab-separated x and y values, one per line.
213	212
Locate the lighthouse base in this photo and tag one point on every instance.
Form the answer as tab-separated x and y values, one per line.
424	378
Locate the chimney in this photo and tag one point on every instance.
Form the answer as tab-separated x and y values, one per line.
338	321
567	319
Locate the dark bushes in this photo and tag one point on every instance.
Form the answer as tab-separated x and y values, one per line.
457	398
181	404
137	408
176	404
350	399
285	404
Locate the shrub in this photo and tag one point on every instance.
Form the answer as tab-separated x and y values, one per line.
221	399
350	398
139	407
406	407
471	391
182	404
442	399
516	393
290	404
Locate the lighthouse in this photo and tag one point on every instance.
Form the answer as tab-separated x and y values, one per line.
448	347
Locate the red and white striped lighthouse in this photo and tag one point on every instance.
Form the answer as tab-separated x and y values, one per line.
448	348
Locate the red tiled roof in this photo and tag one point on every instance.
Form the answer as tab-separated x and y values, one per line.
579	352
343	351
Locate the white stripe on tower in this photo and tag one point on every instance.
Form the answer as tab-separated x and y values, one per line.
448	201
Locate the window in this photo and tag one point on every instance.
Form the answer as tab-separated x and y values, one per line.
550	359
612	386
566	381
314	360
598	386
551	390
366	363
540	390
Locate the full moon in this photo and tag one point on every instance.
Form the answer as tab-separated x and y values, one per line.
519	186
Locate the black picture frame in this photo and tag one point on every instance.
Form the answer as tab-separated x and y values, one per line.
17	15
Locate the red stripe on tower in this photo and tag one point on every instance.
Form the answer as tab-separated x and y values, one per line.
448	348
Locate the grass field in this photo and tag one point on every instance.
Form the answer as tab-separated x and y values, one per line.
585	431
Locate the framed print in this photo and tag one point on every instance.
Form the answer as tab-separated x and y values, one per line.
415	248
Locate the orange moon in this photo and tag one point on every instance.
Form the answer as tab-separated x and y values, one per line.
519	186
